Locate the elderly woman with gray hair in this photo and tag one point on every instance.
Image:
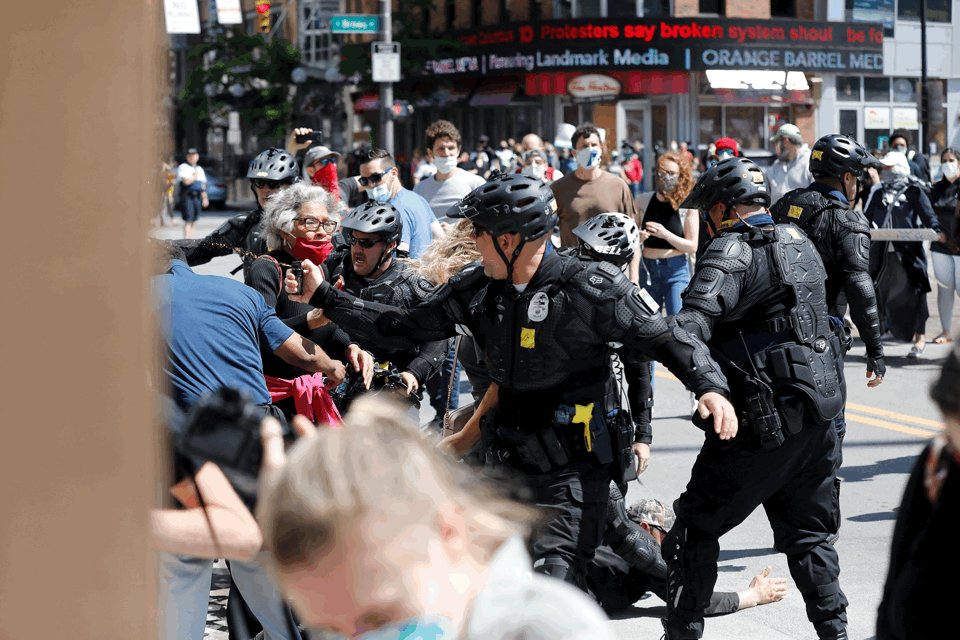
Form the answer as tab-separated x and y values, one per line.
298	224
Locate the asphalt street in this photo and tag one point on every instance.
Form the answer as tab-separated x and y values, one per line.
887	428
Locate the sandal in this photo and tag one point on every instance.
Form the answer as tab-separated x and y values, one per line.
942	339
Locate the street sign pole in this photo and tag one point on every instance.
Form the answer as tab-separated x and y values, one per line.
386	88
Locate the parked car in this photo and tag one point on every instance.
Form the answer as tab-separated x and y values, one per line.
216	190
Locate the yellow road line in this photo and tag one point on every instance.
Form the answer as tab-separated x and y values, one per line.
889	426
932	426
893	415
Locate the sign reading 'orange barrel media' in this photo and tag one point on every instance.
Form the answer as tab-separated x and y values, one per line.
674	44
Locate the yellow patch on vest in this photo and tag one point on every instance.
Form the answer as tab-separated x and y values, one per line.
794	211
584	415
528	338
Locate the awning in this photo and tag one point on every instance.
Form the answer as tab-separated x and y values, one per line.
633	82
495	92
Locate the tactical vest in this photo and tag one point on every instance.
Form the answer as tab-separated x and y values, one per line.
811	363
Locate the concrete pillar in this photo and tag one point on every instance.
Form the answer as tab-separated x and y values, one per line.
80	174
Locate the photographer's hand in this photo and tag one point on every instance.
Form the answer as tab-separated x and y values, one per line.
362	362
271	438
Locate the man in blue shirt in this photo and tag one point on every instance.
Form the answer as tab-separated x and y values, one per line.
213	327
379	176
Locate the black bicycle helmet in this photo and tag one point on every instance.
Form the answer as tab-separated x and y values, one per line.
375	217
611	237
835	154
274	164
510	203
730	181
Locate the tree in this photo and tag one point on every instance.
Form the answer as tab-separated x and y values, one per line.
244	73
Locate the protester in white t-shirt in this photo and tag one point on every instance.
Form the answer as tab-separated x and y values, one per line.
449	184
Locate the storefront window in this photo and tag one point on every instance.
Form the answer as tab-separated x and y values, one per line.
848	88
746	124
710	124
848	122
904	90
876	89
937	10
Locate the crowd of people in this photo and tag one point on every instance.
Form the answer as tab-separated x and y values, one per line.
544	274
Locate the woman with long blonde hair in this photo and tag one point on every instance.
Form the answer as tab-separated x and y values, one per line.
376	534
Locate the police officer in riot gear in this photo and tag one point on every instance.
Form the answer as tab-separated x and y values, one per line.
841	235
758	299
545	321
272	170
615	238
370	271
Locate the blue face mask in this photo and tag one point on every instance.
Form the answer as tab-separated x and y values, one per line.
379	193
412	629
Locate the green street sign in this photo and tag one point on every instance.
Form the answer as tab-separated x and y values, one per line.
354	23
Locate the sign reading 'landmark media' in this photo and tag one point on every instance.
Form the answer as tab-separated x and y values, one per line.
665	44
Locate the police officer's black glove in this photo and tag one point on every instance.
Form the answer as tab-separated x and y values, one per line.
876	366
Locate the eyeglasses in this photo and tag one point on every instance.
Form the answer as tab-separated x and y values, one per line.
312	224
365	243
373	178
324	161
654	525
270	184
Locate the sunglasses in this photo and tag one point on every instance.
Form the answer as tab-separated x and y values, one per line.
312	224
365	243
270	184
324	161
372	179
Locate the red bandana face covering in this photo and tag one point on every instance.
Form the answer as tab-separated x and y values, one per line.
313	250
326	177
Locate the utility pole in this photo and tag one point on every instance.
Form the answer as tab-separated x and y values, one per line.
924	147
386	88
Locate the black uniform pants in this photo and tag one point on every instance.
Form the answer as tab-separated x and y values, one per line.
797	486
575	498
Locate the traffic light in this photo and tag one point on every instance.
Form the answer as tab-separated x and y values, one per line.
263	16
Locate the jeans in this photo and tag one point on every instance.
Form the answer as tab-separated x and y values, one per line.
666	280
439	386
185	590
946	270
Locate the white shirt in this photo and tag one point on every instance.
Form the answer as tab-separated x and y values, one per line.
187	170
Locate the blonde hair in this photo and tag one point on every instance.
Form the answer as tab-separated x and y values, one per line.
447	255
377	468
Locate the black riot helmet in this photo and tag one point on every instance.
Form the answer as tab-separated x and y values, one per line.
835	154
274	164
379	218
510	203
610	237
731	181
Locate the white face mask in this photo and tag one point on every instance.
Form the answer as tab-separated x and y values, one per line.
379	193
950	169
445	164
588	158
535	170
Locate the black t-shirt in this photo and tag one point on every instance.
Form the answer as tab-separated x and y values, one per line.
943	197
350	192
666	215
